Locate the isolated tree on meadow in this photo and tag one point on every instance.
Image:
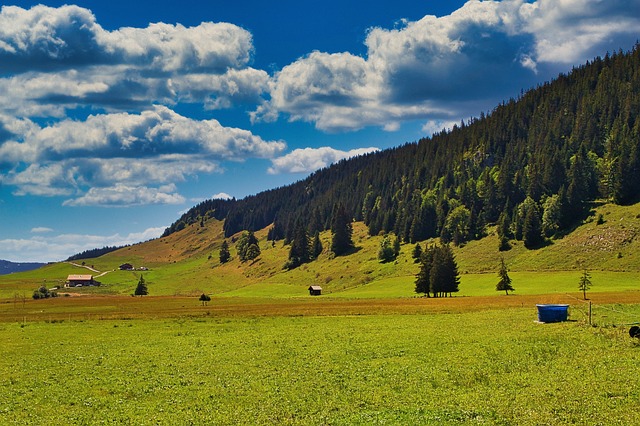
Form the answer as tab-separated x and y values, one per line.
585	283
444	277
423	281
225	255
438	272
141	288
204	299
504	284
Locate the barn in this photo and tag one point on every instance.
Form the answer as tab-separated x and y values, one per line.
81	281
315	290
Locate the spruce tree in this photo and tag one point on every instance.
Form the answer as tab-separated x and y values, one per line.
504	232
532	229
225	255
341	231
141	288
416	253
585	283
396	247
316	246
423	278
300	248
444	276
504	284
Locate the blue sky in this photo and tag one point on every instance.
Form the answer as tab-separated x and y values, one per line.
117	116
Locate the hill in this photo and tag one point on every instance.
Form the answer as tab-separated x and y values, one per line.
547	154
186	263
7	267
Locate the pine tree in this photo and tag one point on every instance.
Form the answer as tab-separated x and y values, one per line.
141	289
504	284
341	231
585	283
396	247
300	247
532	229
504	232
444	277
416	253
423	278
316	246
225	255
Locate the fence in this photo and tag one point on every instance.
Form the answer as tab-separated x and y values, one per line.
612	315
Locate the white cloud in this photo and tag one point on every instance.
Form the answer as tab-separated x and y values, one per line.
41	230
142	150
310	159
122	195
436	126
59	247
221	196
68	37
55	59
449	67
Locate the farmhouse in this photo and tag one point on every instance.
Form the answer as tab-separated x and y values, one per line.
315	290
126	267
81	281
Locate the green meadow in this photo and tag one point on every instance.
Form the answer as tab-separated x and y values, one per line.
495	366
368	351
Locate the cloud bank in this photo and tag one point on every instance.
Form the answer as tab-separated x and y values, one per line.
450	67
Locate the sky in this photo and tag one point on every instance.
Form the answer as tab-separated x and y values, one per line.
116	117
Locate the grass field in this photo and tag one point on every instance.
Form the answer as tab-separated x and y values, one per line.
368	351
494	366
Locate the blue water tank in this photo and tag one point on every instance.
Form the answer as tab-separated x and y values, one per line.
552	313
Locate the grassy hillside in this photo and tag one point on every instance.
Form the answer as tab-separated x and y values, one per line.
186	263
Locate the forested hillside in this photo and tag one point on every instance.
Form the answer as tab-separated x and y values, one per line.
532	165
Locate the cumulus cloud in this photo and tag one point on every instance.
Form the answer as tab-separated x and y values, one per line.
120	157
123	195
68	37
310	159
40	230
449	67
60	58
58	247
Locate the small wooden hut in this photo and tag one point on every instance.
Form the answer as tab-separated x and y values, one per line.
315	290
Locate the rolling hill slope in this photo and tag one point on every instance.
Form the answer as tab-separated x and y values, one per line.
186	263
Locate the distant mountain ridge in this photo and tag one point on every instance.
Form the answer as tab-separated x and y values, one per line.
7	267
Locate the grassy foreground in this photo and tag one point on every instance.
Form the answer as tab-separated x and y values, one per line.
492	366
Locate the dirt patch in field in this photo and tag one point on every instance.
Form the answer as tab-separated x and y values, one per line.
91	307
